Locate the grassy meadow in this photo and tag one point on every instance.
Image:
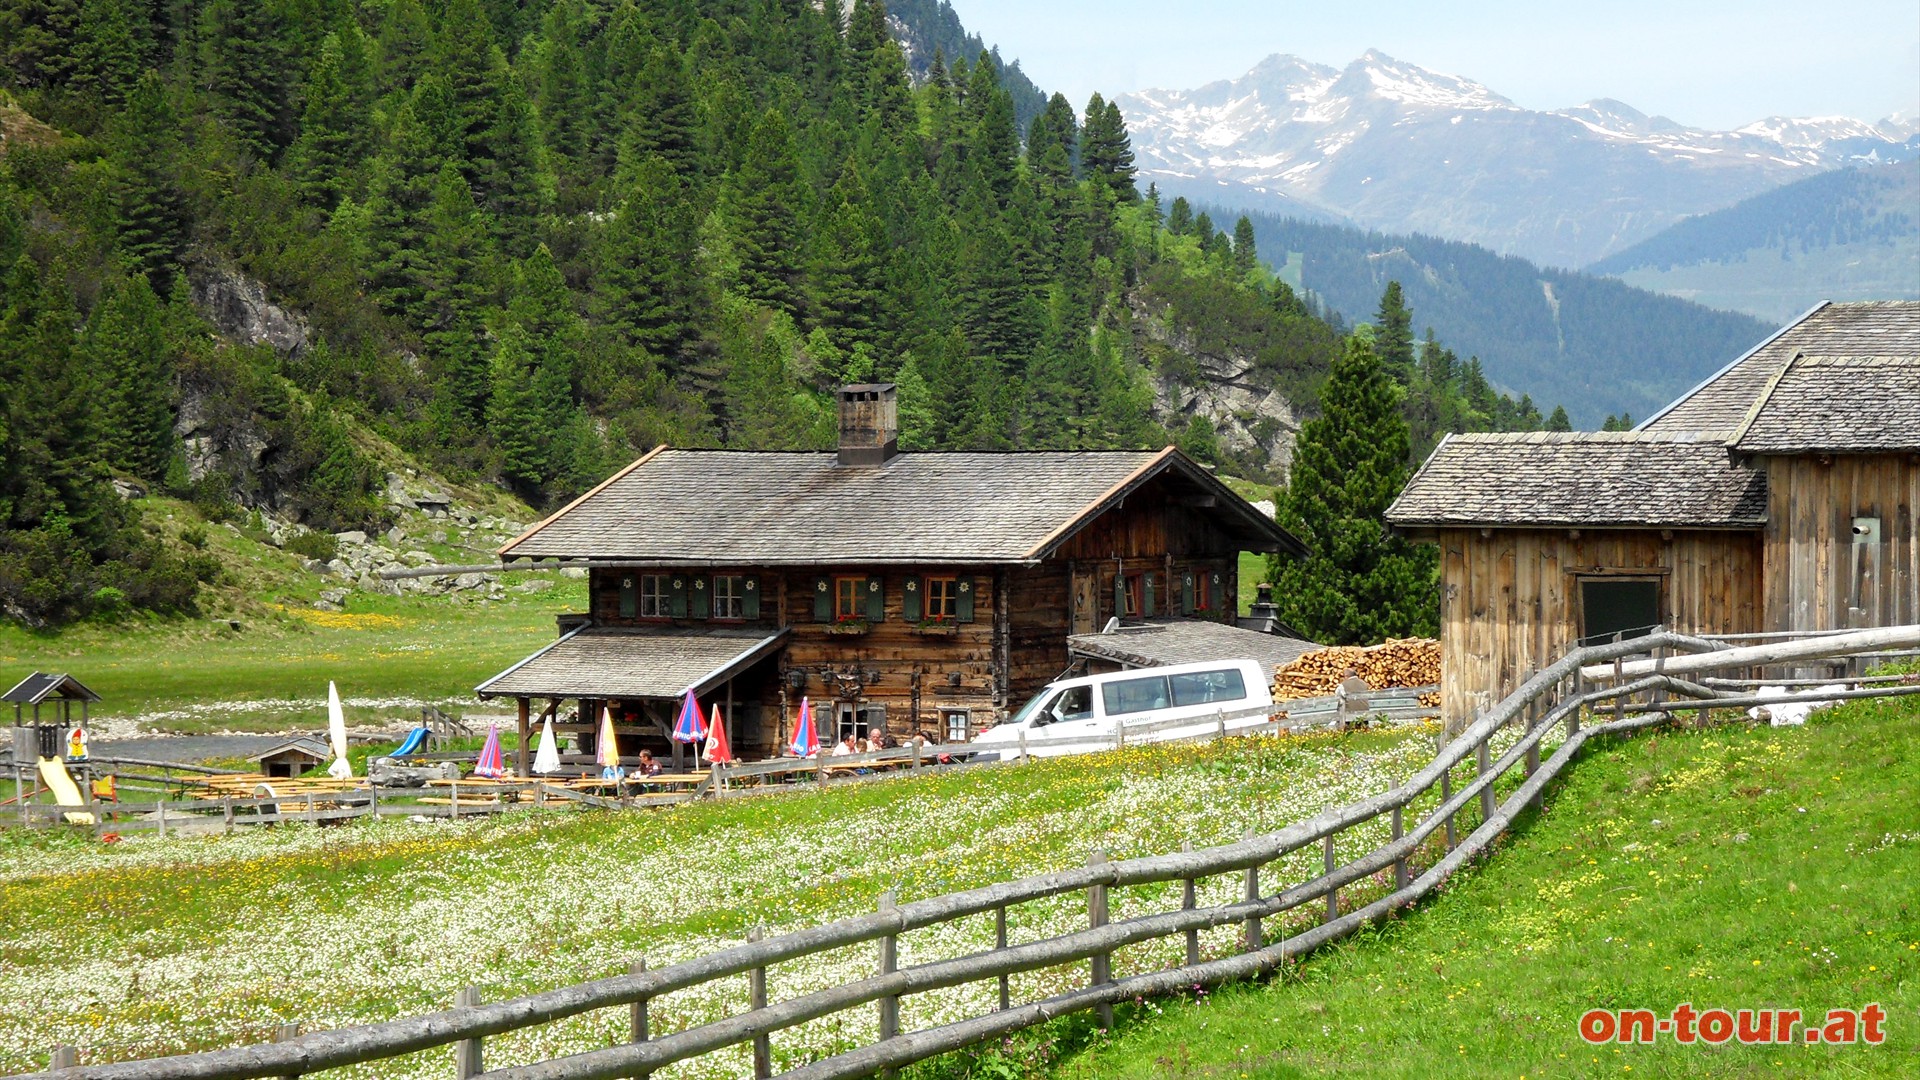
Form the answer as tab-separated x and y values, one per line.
149	946
1737	867
261	657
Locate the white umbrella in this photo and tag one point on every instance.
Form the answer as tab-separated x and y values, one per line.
546	757
337	728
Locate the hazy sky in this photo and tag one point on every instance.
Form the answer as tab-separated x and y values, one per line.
1714	65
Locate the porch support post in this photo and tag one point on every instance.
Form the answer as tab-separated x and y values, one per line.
523	764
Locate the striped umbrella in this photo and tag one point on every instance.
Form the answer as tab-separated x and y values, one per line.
607	748
492	764
806	741
718	752
691	727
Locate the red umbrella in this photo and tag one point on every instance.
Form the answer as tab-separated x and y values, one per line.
718	752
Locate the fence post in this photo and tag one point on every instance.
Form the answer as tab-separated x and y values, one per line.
1483	760
1119	735
1333	895
1023	746
889	962
1097	918
1000	942
1579	691
466	1052
1254	942
226	816
637	1012
756	1000
1619	699
454	804
1533	752
1187	904
820	767
287	1033
1399	864
919	743
310	818
1446	793
1219	724
63	1057
163	815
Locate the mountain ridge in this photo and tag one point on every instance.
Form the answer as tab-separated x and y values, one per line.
1391	145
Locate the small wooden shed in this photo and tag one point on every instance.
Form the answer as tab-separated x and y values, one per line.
293	757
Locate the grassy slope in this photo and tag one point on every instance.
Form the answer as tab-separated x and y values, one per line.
1737	867
271	674
152	945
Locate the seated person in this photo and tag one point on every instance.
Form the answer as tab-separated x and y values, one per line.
648	766
845	746
876	740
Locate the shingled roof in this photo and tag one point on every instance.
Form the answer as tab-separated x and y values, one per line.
1870	328
715	507
1162	642
1583	479
647	662
1836	404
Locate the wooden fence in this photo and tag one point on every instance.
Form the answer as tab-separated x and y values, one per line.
1561	694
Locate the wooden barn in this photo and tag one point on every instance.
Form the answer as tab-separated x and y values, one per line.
910	592
1777	495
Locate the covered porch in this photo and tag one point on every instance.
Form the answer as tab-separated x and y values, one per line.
641	674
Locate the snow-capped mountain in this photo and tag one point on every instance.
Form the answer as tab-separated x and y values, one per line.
1390	145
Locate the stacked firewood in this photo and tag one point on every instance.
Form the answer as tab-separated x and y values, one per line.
1400	662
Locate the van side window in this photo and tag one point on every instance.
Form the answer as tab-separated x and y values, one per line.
1075	704
1134	695
1202	687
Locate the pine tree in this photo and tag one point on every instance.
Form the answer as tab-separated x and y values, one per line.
1244	255
1180	216
457	252
1393	334
405	37
126	345
1559	421
648	284
112	43
149	210
994	144
1106	153
767	201
525	413
242	60
879	71
36	39
662	119
1359	584
334	136
848	278
515	187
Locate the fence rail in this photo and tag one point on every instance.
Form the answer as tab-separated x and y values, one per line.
1563	693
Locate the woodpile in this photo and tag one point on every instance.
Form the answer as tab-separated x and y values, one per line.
1400	662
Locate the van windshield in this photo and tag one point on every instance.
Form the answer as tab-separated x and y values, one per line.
1034	705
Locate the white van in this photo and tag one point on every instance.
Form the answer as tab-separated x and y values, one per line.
1093	706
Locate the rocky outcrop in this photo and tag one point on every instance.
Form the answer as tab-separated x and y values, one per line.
1253	422
238	308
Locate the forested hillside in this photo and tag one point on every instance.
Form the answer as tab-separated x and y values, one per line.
1599	346
526	242
1850	234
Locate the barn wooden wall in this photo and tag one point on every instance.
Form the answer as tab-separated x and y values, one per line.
1817	578
1509	601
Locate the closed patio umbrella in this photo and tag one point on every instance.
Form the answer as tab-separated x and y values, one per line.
491	764
546	758
340	769
607	749
718	752
806	741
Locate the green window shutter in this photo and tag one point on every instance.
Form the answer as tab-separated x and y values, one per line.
1119	595
750	598
1217	597
677	597
963	599
876	600
1146	595
629	597
822	599
1186	593
702	600
910	593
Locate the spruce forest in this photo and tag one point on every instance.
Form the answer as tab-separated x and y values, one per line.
531	240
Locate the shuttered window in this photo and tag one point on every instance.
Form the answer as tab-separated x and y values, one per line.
700	598
654	600
911	591
962	598
750	598
876	600
822	599
629	597
677	597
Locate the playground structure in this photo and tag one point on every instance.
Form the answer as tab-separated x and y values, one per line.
48	746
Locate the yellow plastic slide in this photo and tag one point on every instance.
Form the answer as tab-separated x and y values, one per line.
53	772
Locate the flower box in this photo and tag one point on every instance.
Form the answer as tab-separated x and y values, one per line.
940	628
850	627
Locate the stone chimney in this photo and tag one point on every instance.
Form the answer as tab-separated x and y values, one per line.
869	424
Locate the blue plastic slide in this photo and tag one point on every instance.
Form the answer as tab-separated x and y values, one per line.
416	743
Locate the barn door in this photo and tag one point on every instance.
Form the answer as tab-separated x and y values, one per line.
1086	602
